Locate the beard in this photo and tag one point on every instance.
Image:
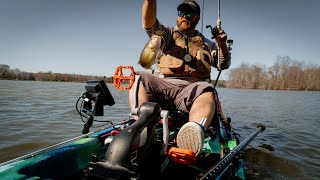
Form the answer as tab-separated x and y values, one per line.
186	26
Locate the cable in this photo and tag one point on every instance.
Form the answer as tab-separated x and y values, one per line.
82	115
77	104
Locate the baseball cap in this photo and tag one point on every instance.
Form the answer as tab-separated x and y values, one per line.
189	5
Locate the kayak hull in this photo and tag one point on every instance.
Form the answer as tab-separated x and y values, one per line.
55	163
130	150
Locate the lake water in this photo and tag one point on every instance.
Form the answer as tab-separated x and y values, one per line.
35	115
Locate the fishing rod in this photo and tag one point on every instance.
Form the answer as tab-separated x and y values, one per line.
202	12
214	32
55	146
217	169
218	48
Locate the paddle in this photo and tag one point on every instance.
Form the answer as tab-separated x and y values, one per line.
218	168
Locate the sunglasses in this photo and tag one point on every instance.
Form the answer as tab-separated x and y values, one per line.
188	14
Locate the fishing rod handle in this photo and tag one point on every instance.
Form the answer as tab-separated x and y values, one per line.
219	24
87	125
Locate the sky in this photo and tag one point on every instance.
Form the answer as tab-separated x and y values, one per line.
93	37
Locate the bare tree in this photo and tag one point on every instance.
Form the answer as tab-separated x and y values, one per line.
284	74
312	80
4	71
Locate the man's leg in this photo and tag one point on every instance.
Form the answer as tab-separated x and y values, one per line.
155	89
199	100
203	107
199	97
142	96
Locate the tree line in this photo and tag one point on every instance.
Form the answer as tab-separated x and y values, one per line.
284	74
15	74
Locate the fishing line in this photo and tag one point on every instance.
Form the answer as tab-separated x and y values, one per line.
202	16
219	20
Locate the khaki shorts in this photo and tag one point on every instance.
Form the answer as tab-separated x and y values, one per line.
173	96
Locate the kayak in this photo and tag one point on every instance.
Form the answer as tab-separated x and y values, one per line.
134	149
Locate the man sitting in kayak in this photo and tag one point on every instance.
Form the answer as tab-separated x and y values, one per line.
182	78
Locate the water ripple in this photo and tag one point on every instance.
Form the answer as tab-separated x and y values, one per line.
39	114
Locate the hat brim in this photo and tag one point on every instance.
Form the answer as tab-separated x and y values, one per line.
186	7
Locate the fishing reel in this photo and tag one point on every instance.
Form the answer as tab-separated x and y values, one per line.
214	31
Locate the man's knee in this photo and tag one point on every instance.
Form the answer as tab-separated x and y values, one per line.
207	94
145	76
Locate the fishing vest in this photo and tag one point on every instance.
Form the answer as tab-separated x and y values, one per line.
172	62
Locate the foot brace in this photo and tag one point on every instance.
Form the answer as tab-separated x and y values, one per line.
191	136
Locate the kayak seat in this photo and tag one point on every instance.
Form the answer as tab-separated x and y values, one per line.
176	119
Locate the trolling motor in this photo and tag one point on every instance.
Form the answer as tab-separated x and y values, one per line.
97	95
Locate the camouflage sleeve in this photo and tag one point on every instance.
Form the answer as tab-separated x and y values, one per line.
157	27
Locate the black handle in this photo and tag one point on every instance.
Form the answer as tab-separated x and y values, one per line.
87	125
